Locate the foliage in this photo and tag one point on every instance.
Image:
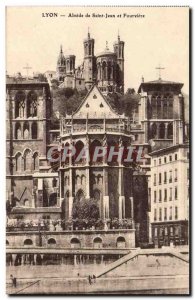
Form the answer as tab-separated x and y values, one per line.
86	210
66	100
127	103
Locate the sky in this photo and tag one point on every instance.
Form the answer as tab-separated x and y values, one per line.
161	37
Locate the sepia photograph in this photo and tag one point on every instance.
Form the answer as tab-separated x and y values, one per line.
97	150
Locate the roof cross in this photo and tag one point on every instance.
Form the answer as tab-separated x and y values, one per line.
159	68
27	68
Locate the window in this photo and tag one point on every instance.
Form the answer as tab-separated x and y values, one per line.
170	213
155	162
155	214
159	178
176	156
176	213
170	157
162	131
170	176
165	159
154	179
176	193
165	177
155	196
165	195
170	131
160	214
175	175
171	231
159	161
165	213
170	194
160	196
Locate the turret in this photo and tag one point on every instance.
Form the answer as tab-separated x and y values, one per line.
119	50
89	61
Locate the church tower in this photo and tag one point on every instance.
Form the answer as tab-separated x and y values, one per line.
89	61
61	66
119	50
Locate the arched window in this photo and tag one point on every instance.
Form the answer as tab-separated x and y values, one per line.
96	194
7	243
78	156
28	242
80	195
161	131
53	199
78	179
89	49
121	243
154	108
170	107
18	133
27	160
35	161
18	162
32	104
170	131
34	130
75	243
154	131
83	180
165	112
51	241
104	71
26	131
159	115
97	243
109	70
19	105
92	148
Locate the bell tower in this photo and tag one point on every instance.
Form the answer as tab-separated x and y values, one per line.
119	50
89	61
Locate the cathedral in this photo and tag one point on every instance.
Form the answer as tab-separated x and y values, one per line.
106	68
124	195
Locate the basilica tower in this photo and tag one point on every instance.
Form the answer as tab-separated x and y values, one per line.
119	50
89	61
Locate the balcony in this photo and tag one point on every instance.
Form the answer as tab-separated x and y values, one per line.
94	128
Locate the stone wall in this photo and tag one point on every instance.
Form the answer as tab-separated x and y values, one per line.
75	239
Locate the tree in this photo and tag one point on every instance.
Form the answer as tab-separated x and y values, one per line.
85	210
67	100
127	103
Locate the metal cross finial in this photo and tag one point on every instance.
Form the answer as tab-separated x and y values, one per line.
27	68
159	68
88	33
106	45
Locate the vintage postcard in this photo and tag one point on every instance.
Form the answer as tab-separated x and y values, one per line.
97	150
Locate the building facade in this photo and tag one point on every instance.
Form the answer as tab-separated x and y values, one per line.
169	215
30	183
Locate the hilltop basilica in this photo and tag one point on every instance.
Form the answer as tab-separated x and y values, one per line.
106	69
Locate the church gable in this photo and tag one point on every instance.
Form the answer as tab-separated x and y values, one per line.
95	106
